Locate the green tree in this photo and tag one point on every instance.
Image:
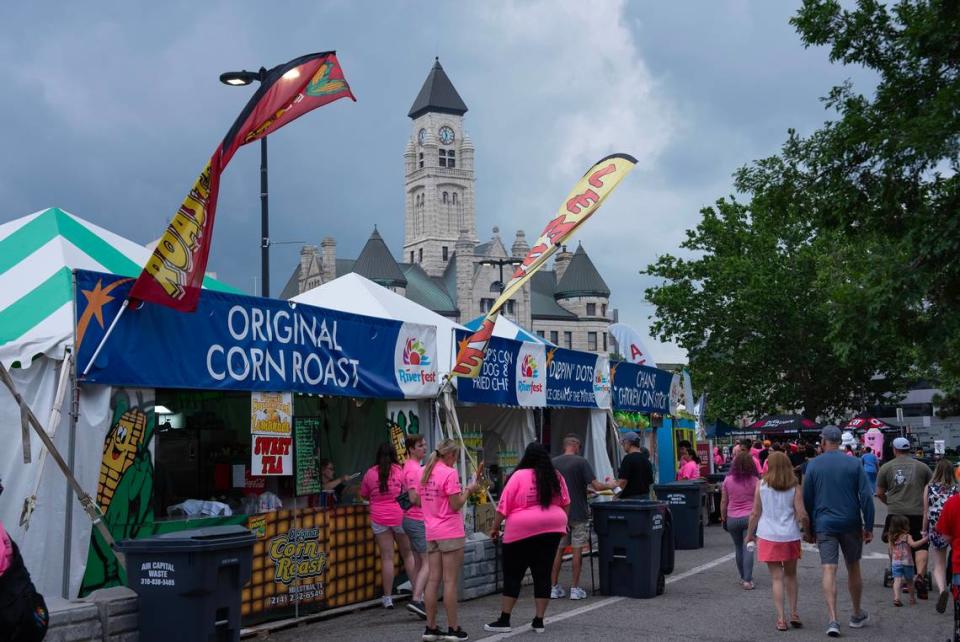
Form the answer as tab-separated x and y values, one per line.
885	171
753	312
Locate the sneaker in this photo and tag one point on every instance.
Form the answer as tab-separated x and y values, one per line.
537	625
833	629
857	621
556	592
459	634
502	625
942	601
387	602
577	593
417	608
432	635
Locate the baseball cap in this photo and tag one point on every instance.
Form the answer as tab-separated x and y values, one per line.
830	433
630	436
901	443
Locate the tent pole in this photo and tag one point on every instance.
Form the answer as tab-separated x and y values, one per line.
72	445
89	505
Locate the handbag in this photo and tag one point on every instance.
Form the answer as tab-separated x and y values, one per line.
404	500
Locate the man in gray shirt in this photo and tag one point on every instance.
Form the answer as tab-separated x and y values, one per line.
578	473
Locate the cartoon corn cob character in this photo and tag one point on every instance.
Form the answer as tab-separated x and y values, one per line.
119	451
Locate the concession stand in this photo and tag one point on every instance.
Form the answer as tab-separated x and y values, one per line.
221	416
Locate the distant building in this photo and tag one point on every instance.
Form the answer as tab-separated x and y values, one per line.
443	265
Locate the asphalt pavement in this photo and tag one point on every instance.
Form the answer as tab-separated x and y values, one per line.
703	601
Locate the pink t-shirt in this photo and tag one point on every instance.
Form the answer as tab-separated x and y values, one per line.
739	495
441	521
384	508
525	517
412	472
6	550
689	470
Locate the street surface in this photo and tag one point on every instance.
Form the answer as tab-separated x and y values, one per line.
703	601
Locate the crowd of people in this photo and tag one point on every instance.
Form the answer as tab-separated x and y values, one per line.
776	495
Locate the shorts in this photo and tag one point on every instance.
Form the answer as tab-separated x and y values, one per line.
831	544
916	524
903	570
417	533
577	535
380	528
446	545
769	551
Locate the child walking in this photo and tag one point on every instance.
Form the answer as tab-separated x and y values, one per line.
901	557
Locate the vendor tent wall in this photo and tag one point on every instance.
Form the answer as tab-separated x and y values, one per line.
590	425
503	428
43	545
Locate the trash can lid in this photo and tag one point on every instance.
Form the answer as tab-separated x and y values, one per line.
630	504
680	485
195	539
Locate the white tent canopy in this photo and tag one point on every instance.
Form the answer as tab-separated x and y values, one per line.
359	295
508	330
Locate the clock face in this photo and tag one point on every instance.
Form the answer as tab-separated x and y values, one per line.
422	136
446	135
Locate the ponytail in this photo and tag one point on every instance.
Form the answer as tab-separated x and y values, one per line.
444	447
386	458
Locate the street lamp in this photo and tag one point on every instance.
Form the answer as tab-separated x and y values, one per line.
500	263
239	79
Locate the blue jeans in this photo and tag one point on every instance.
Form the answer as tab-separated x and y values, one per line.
737	527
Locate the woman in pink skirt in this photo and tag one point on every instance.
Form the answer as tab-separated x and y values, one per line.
779	519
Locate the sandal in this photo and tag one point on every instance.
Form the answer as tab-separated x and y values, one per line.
897	603
747	586
795	621
781	625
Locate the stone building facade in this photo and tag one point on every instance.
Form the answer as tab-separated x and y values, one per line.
443	264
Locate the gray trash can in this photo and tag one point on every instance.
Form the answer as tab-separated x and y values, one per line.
685	500
631	547
189	582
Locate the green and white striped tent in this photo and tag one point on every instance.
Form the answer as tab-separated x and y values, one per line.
37	255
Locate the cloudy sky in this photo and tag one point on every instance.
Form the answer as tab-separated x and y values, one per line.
110	109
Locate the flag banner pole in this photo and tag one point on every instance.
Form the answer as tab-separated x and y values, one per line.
585	199
113	324
85	500
30	503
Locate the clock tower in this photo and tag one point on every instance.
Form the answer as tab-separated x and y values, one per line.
439	176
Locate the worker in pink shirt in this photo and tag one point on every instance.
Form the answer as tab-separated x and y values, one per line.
689	468
441	499
535	503
413	525
381	485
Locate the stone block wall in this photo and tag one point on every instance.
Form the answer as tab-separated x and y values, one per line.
108	615
481	574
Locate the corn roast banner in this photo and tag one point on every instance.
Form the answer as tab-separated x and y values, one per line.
174	271
587	196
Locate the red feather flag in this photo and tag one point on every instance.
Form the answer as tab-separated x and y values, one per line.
174	272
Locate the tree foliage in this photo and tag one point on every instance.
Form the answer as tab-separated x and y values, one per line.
843	262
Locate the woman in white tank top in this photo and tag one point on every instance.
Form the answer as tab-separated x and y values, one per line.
779	519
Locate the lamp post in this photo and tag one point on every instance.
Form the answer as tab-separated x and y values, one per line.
500	263
239	79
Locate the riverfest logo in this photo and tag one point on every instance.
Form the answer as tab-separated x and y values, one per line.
529	370
414	363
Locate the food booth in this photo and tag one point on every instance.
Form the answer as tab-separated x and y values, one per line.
222	415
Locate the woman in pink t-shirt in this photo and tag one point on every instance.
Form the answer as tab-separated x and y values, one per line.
535	504
689	469
413	525
381	485
441	500
736	502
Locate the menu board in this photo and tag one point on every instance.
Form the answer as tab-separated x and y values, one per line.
305	466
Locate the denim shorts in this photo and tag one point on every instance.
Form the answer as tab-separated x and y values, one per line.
903	570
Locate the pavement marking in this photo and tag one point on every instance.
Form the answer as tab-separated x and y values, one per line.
559	617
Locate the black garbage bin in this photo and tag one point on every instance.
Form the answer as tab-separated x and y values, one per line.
632	548
189	582
685	500
717	480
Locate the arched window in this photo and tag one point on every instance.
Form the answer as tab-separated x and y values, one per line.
444	198
454	198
